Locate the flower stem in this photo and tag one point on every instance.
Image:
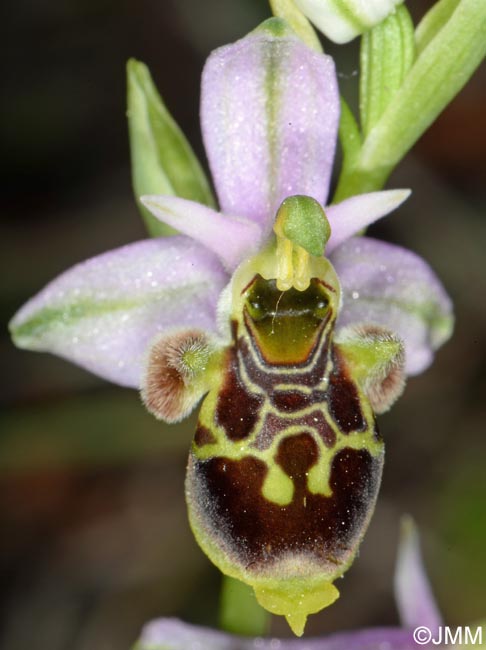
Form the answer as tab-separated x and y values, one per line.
239	611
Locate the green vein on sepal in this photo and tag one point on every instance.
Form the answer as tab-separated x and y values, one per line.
441	326
289	11
72	315
162	159
276	26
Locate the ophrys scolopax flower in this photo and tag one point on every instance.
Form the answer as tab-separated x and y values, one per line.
295	350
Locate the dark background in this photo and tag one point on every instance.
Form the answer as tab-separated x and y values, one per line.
94	537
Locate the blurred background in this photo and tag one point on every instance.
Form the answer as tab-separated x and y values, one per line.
94	537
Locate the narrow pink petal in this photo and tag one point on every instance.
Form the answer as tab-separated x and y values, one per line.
413	593
102	313
352	215
389	286
230	238
270	111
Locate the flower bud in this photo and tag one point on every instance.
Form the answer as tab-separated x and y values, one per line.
343	20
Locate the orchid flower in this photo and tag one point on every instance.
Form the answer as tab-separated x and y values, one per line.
174	316
413	596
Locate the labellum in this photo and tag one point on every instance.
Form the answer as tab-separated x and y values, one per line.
286	461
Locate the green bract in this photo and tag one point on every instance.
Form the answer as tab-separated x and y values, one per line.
397	106
162	159
387	53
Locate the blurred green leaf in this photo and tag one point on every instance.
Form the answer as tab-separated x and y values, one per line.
461	522
90	429
162	159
